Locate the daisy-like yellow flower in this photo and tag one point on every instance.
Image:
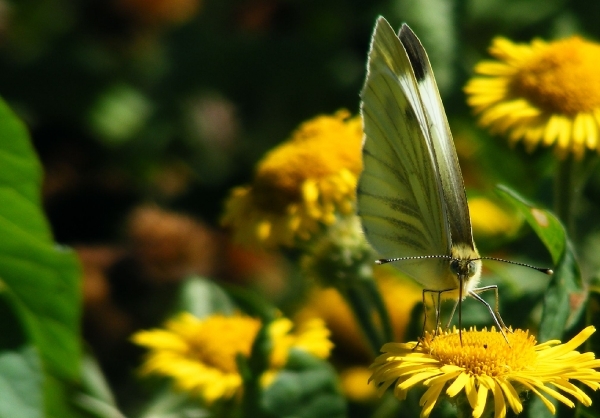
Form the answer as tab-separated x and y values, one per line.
544	93
484	364
200	354
300	185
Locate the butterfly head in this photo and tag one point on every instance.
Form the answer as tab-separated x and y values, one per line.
465	266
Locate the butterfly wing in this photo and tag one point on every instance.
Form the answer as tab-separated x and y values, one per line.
400	194
441	140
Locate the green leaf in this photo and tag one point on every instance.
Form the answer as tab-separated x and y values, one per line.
21	383
170	404
93	395
38	278
565	287
306	388
202	297
547	226
21	371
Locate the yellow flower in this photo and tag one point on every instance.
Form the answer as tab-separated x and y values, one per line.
484	364
300	185
542	93
200	354
354	382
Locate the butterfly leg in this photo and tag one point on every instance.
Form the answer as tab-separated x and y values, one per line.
425	291
436	300
436	306
452	313
480	290
494	312
424	317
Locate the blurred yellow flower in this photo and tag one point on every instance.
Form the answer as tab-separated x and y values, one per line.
542	93
355	384
489	219
200	354
300	185
484	364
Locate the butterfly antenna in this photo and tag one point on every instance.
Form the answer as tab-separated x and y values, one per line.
418	257
540	269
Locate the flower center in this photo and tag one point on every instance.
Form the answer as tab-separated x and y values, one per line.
220	338
483	352
562	77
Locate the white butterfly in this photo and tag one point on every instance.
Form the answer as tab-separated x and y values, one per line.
411	196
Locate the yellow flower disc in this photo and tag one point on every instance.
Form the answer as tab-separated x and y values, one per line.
562	77
235	336
483	352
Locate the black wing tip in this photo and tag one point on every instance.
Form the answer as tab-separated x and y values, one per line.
415	51
405	29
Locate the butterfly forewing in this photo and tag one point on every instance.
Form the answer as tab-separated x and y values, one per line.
441	139
400	198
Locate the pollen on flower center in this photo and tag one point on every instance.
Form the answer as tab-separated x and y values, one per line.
221	339
561	77
483	352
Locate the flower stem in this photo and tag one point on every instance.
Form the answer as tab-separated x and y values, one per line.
365	302
570	180
565	193
463	408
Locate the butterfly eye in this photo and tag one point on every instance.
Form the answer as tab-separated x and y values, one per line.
455	267
473	268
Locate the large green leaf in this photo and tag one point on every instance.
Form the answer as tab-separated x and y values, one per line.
21	375
547	227
565	286
21	383
38	277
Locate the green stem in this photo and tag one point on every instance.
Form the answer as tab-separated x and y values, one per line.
570	180
463	408
565	193
362	308
381	309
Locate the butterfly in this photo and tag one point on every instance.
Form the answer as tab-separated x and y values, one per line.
410	196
